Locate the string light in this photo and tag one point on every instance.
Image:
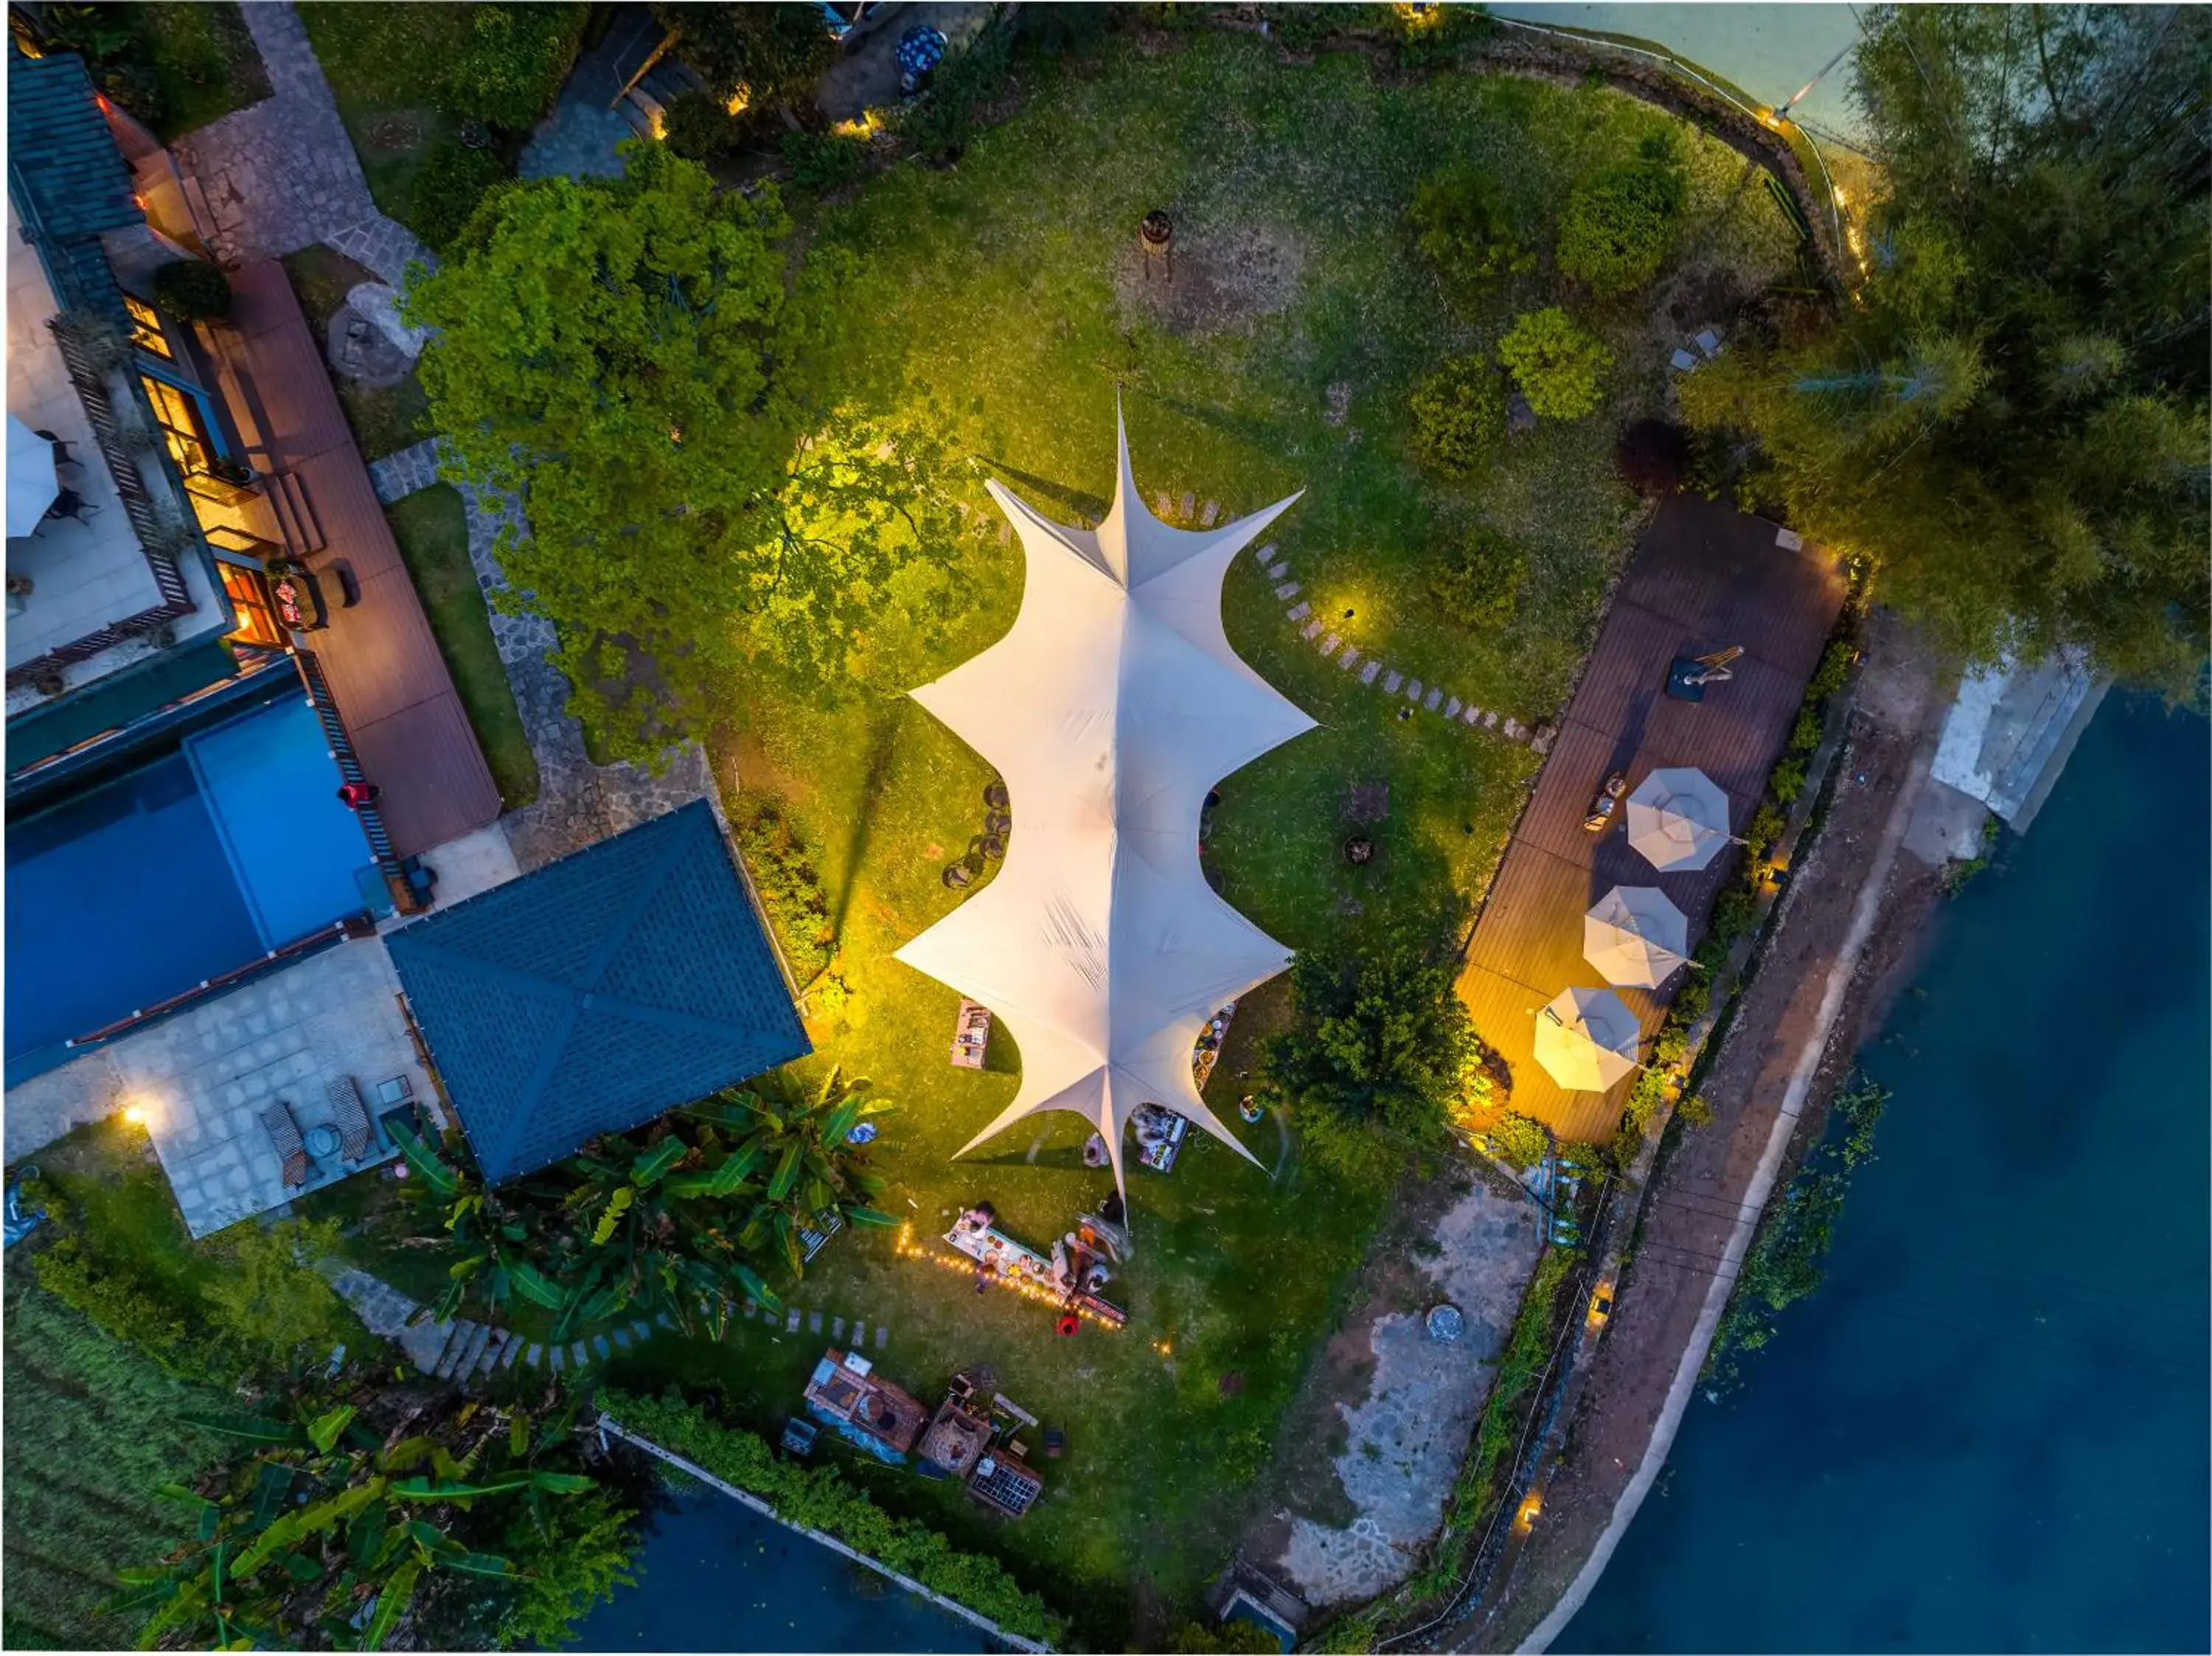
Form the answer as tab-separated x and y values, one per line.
908	1248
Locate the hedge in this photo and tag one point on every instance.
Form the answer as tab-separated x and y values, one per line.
820	1498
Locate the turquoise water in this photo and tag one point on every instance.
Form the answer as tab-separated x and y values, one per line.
714	1575
1769	51
1988	1431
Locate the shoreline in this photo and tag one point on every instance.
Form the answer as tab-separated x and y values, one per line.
1855	915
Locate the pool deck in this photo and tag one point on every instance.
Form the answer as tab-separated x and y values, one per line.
203	1076
382	662
1703	578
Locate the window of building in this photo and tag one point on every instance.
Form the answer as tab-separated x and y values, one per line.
249	600
146	328
183	427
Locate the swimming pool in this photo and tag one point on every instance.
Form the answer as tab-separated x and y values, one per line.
186	868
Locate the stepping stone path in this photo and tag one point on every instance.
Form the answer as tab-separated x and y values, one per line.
1433	698
463	1350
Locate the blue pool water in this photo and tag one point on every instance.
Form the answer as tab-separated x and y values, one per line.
714	1576
1988	1431
187	868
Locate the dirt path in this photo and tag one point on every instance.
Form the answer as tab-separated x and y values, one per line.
1838	937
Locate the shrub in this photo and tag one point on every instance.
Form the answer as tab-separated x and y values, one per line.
1557	364
1457	222
1763	830
1835	667
1459	414
192	289
820	1498
1653	457
510	69
824	161
1788	780
453	181
1518	1141
792	892
1805	734
699	128
940	123
1619	224
775	52
1477	583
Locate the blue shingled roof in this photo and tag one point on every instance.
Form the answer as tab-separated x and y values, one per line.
598	994
69	179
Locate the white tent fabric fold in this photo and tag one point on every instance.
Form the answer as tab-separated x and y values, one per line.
1110	709
31	485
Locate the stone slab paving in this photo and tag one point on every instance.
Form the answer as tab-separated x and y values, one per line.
411	469
281	174
205	1075
1404	1441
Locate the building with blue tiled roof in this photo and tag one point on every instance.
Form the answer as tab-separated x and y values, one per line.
598	994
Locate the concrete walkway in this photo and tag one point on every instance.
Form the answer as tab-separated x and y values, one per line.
281	174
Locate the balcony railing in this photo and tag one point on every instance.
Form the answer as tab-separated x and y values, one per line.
349	763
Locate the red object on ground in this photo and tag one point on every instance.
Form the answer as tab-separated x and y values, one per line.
354	795
1070	1323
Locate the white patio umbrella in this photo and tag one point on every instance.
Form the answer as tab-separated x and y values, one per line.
1586	1039
31	484
1678	819
1634	936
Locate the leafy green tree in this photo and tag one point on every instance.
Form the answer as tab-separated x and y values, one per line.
1476	581
772	53
347	1517
691	1213
603	353
1459	414
1458	223
1559	365
2010	420
1619	223
1233	1638
1378	1048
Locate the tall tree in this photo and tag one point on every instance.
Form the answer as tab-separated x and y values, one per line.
2010	418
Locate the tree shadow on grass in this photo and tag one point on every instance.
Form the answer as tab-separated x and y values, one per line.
1035	490
883	746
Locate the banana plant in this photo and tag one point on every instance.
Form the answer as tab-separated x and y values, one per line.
331	1530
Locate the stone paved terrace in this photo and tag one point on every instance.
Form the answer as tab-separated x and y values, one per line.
204	1075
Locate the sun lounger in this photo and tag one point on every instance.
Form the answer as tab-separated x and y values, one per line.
284	1134
348	1117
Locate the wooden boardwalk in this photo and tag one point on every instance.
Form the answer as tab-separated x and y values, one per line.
1704	578
382	662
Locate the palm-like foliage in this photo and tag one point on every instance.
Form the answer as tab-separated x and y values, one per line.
328	1533
682	1219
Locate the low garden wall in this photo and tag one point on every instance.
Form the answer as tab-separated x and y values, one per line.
740	1465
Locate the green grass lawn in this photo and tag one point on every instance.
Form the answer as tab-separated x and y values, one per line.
432	531
385	418
985	298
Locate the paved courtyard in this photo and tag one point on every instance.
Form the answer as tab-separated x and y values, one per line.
203	1078
1404	1442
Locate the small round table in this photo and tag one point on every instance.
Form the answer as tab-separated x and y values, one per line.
322	1141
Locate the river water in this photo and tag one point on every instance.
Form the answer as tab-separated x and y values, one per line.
1988	1431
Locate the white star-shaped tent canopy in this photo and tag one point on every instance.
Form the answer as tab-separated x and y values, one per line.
1110	709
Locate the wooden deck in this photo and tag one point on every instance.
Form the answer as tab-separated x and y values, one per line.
382	662
1704	578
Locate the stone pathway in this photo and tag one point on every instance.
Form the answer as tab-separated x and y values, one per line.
1418	697
281	174
579	804
465	1350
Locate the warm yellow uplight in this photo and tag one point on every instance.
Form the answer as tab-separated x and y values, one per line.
736	102
1525	1519
136	1116
1842	200
867	126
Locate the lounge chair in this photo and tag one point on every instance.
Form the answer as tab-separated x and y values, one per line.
348	1117
284	1134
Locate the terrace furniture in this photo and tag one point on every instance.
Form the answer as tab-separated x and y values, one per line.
69	504
284	1134
350	1117
972	1036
